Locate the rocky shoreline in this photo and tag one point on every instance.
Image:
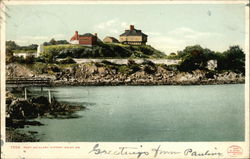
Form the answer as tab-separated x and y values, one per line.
106	73
188	79
20	113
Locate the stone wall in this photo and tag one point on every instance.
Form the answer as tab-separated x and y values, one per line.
125	61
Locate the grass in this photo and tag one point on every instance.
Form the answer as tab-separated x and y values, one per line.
63	46
24	51
102	50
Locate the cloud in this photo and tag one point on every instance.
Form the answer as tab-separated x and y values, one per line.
27	40
189	33
60	36
165	43
112	27
179	38
34	37
104	25
153	33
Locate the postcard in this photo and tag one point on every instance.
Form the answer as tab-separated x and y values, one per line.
124	79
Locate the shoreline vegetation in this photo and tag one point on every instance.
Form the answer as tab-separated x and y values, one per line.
21	113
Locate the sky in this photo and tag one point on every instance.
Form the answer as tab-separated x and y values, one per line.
170	27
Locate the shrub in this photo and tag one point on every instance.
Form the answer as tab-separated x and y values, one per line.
29	60
149	69
148	62
101	50
194	57
124	69
68	60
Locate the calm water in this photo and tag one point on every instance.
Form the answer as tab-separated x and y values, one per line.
149	113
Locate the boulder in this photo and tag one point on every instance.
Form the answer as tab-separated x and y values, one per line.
21	109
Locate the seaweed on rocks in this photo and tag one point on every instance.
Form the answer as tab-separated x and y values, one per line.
21	112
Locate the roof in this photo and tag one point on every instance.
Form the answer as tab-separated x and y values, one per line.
133	32
75	37
112	38
87	35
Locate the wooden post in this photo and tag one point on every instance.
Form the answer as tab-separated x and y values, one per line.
25	93
49	96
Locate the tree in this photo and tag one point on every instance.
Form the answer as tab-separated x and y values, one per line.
46	43
234	59
30	47
12	45
29	59
9	56
52	41
172	54
195	57
62	42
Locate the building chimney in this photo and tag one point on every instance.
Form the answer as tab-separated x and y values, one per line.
95	34
76	35
132	27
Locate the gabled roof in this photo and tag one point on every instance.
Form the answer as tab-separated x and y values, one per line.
133	32
75	37
112	38
87	35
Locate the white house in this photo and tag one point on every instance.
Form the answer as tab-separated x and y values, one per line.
25	54
40	49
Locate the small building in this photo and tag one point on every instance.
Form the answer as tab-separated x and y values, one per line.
109	39
25	54
86	39
133	37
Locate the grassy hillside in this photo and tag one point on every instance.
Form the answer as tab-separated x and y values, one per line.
102	50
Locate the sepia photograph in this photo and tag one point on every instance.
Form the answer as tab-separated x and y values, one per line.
125	72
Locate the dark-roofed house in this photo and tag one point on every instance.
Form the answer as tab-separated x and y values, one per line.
87	39
133	37
109	39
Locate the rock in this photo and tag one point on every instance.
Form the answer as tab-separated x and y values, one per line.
21	109
13	135
128	80
92	69
161	70
101	70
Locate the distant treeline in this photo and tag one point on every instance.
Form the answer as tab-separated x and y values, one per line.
11	46
55	42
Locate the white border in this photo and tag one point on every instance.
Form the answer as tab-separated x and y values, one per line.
2	67
85	147
32	2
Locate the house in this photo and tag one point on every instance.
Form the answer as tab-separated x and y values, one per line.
25	54
109	39
87	39
133	37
